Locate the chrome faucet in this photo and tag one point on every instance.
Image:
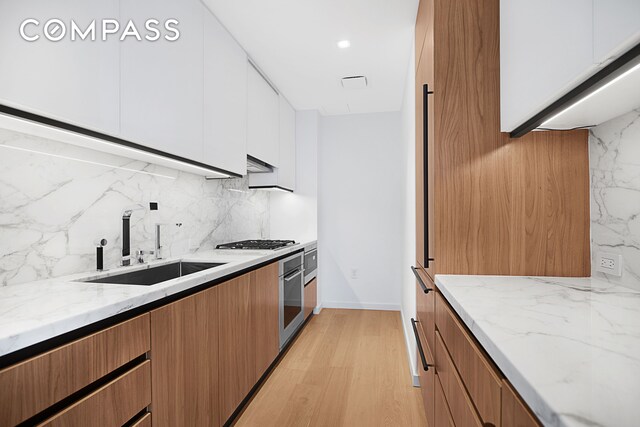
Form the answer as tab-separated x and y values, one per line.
158	244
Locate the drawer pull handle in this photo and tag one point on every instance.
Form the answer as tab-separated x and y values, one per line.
422	285
423	359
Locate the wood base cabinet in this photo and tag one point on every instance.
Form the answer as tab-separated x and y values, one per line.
33	385
470	390
112	405
310	297
249	334
184	342
191	362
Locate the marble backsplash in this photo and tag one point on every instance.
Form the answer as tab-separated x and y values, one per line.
56	200
614	156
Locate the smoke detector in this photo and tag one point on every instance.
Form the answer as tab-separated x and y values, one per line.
354	82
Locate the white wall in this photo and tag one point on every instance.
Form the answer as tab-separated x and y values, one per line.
295	215
361	180
408	286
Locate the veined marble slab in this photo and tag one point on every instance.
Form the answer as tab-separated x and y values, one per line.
34	312
614	158
570	346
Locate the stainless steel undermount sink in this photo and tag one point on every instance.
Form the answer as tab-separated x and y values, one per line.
154	275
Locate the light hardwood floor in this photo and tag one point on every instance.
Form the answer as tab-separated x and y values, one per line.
347	368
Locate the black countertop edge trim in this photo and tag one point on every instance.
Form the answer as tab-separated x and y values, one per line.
260	187
115	140
242	406
83	392
599	79
57	341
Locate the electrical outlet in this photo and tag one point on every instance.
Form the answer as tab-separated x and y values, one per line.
609	264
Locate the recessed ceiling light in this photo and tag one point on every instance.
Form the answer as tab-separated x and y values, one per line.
343	44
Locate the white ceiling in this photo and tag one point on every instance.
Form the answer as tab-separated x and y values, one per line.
294	43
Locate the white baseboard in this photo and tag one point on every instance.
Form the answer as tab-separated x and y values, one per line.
317	309
408	336
361	305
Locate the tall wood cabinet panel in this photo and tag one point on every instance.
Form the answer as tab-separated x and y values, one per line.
225	98
500	206
184	342
425	166
265	322
490	204
237	371
162	82
73	81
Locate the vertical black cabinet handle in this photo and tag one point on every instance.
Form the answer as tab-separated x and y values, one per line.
422	285
425	169
425	365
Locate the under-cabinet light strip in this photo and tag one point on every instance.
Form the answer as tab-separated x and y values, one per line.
59	156
604	77
108	140
595	92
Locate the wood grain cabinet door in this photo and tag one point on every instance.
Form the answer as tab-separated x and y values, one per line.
427	378
33	385
237	371
112	405
425	165
310	297
515	412
425	309
264	321
184	343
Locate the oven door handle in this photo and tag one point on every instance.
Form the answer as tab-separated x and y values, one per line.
292	275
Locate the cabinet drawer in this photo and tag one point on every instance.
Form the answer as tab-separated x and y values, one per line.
426	306
310	297
145	421
111	405
462	410
37	383
515	413
427	378
443	416
480	377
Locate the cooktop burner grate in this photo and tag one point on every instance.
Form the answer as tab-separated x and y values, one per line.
257	244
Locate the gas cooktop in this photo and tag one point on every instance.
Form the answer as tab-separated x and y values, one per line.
257	244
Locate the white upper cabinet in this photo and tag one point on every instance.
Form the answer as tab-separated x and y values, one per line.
616	27
225	99
72	81
287	168
549	47
283	176
162	82
263	119
545	47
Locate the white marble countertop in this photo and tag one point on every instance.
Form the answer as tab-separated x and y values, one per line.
34	312
570	346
